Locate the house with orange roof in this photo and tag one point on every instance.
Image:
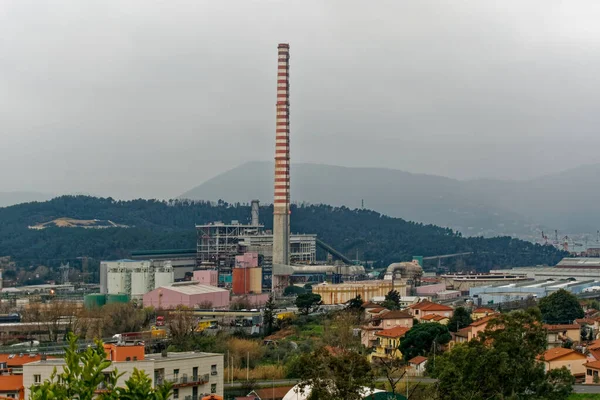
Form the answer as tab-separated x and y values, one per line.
384	320
435	318
481	312
424	308
417	366
388	343
472	331
11	373
592	369
560	357
561	333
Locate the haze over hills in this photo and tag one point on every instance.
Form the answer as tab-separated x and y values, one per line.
10	198
564	201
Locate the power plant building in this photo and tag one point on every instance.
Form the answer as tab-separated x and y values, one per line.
133	278
368	290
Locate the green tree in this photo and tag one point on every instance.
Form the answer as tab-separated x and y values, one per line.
561	307
424	339
392	300
85	371
355	304
334	374
307	302
505	354
460	319
293	290
269	315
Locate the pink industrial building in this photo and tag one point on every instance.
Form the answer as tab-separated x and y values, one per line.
246	260
189	294
206	277
430	290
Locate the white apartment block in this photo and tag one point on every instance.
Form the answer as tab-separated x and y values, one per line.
194	375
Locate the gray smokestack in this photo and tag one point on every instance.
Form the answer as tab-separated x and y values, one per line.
255	213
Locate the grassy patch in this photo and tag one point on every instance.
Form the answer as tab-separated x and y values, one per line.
584	396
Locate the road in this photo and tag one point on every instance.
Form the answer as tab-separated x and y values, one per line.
291	382
586	389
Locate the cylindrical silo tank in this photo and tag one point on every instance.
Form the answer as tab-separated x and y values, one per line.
255	280
116	281
117	298
139	283
95	300
241	281
164	278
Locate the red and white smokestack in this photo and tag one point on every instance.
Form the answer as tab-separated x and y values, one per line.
281	203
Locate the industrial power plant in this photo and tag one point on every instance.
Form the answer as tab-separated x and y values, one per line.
249	260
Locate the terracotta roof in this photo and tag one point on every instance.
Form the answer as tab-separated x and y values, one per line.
482	321
417	360
560	327
434	317
482	310
593	364
11	383
430	306
18	360
376	310
558	352
594	344
582	321
394	332
395	314
595	353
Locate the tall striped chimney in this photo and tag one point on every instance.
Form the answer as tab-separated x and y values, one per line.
281	202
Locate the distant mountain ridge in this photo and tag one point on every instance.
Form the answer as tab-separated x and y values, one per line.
475	207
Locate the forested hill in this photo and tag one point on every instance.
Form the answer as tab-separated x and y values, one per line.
168	225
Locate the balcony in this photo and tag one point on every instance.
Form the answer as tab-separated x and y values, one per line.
186	380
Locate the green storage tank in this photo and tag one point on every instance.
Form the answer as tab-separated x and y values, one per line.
95	300
117	298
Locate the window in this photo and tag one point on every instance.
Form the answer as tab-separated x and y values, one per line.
589	372
195	373
213	369
37	379
213	388
176	373
175	393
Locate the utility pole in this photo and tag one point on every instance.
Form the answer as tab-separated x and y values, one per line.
248	367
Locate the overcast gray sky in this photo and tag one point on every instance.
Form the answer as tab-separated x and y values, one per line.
147	98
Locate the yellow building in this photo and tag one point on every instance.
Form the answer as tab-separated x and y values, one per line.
388	343
342	293
560	357
481	312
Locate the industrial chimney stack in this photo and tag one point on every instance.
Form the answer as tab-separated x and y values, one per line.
281	203
255	213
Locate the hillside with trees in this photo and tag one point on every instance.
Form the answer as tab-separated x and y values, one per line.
170	224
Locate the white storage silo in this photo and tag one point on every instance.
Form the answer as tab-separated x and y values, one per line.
139	282
116	281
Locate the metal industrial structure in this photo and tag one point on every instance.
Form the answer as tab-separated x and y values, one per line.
218	243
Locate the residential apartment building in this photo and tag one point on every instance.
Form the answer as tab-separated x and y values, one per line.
388	343
381	321
193	375
425	308
559	334
11	374
470	332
